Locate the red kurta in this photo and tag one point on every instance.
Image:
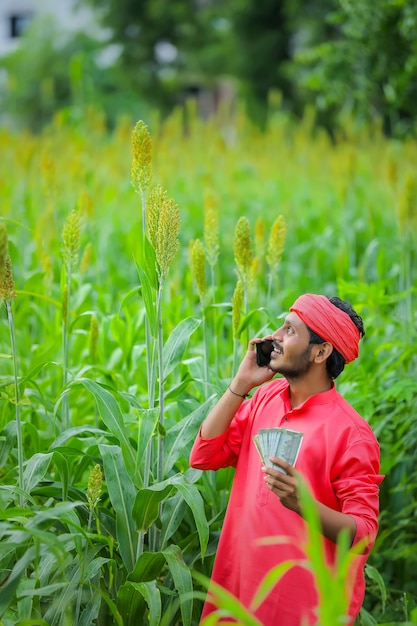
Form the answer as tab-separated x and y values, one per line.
339	459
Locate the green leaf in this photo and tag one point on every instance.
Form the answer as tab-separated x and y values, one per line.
181	576
177	342
35	469
193	498
131	604
228	604
113	608
9	587
62	465
180	435
15	513
147	423
178	389
374	575
33	622
46	590
172	515
152	596
148	567
268	583
122	495
146	506
91	610
112	416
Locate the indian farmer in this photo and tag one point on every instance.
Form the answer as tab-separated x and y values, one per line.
338	459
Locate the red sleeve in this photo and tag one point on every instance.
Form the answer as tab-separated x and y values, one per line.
221	451
357	488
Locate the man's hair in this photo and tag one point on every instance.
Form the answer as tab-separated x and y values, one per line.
335	363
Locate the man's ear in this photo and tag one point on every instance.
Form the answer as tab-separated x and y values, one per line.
323	351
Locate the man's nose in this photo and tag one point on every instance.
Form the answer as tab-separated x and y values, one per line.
277	334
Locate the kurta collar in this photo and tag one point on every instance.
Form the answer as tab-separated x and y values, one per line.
319	398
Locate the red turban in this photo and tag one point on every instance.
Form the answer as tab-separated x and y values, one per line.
330	322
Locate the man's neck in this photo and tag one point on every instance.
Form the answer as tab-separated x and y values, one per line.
301	390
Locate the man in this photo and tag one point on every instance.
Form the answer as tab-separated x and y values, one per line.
338	459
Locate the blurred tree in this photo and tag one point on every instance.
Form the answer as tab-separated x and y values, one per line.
262	47
369	68
356	57
50	71
167	48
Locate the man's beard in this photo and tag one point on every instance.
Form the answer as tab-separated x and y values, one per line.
297	367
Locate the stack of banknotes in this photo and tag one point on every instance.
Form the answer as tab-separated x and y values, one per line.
281	442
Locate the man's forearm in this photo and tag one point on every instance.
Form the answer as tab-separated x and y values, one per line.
219	418
333	522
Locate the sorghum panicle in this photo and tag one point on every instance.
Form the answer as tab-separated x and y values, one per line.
198	259
94	338
7	289
243	248
211	227
260	237
163	227
237	304
85	203
86	257
94	485
71	239
276	242
142	157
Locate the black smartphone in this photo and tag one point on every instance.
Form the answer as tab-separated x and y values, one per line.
263	352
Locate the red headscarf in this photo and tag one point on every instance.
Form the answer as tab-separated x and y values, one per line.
330	322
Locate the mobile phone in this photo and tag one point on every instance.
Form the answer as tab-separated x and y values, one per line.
263	352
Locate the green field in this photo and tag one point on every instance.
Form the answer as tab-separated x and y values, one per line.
117	345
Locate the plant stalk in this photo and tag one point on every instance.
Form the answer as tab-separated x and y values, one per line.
20	459
65	352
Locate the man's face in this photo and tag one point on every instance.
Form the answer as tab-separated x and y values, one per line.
291	356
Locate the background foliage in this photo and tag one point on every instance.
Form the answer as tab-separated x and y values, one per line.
345	58
119	355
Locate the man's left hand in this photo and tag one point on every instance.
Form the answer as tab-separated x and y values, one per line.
284	485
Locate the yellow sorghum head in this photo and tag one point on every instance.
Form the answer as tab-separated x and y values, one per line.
71	239
95	481
86	257
211	227
237	303
198	258
276	242
163	227
243	248
93	338
255	267
142	157
7	290
85	203
260	237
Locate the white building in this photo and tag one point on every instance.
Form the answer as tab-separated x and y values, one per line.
16	15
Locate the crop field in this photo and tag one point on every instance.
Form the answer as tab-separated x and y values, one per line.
136	264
